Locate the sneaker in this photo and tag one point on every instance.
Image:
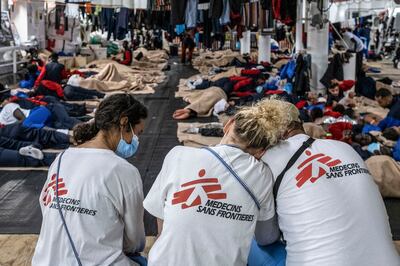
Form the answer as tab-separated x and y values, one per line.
191	85
63	131
31	152
198	82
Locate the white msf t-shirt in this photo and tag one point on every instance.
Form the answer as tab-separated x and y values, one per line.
209	218
101	197
329	208
7	114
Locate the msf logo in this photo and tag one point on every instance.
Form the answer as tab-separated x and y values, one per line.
195	192
314	167
50	190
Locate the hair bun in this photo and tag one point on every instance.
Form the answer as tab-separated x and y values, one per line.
263	124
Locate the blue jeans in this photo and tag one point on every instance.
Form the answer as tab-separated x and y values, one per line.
10	157
271	255
136	257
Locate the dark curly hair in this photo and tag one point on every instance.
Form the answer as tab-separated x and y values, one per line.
109	114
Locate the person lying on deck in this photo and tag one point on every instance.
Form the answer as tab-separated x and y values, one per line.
46	138
329	208
52	115
14	153
241	87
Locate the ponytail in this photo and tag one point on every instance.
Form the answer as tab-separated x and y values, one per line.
108	115
85	131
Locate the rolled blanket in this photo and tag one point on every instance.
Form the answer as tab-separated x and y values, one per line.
202	102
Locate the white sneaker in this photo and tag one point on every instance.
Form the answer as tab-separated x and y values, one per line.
64	131
198	82
190	85
31	152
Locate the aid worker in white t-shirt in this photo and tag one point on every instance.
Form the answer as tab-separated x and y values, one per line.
100	194
207	215
329	209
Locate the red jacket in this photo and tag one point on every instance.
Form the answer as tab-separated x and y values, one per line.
332	113
337	129
64	75
250	72
35	100
347	85
53	86
127	60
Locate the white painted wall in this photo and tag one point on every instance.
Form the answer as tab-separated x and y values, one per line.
317	41
29	19
340	12
20	19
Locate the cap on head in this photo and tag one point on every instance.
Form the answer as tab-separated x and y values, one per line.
294	114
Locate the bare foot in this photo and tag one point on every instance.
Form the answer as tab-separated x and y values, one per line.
181	114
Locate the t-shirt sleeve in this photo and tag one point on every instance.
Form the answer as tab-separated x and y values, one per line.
134	235
267	210
155	200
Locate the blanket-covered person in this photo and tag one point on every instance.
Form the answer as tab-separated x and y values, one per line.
203	101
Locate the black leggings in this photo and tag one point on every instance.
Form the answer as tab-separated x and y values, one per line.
73	93
224	83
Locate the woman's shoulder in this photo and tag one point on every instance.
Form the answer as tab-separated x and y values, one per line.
181	150
101	159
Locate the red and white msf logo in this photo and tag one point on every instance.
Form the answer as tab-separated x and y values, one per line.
50	190
197	191
314	167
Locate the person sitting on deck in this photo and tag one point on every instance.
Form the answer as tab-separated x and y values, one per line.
329	209
126	56
218	199
53	71
49	80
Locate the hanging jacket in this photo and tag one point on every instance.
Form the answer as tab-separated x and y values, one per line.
302	77
334	71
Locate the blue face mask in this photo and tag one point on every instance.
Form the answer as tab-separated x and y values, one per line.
126	150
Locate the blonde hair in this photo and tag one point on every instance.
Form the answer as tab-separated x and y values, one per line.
262	125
